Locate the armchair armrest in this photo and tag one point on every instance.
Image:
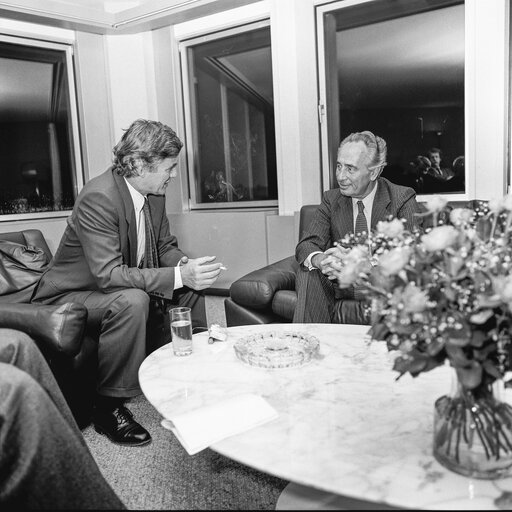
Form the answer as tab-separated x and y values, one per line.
60	327
257	289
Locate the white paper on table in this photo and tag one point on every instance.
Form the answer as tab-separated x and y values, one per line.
202	427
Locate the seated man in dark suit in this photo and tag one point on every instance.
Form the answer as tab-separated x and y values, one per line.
361	200
44	460
116	252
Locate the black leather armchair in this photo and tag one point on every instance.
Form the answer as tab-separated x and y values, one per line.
267	295
59	332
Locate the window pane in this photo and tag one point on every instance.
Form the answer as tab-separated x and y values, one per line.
232	117
400	74
37	171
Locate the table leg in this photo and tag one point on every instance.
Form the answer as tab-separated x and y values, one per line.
302	497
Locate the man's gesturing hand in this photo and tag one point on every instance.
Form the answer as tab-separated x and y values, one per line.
200	273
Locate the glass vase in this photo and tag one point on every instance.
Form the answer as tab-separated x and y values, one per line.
473	431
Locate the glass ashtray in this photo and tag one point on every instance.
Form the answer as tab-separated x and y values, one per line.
277	350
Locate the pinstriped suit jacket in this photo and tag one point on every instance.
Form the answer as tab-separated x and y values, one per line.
317	297
334	217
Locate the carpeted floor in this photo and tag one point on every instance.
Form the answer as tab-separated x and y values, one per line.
162	476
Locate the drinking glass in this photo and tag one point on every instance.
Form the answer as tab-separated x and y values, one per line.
181	329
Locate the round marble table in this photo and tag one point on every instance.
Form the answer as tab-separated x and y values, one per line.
345	424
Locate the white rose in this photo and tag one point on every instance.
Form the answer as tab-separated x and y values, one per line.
495	205
392	229
393	261
504	288
440	238
460	216
414	299
356	254
348	275
507	202
435	203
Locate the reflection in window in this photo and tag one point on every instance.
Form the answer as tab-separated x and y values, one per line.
231	120
37	155
400	74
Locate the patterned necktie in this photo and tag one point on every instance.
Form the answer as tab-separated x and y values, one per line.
150	253
361	223
361	226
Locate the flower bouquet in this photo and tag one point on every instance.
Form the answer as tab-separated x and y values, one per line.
444	295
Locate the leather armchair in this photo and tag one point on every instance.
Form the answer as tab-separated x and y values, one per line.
59	332
267	295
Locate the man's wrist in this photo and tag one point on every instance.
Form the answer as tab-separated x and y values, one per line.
314	263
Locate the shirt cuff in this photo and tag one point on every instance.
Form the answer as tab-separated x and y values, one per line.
307	261
178	282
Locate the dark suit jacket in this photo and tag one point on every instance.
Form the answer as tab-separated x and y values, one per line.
98	250
334	217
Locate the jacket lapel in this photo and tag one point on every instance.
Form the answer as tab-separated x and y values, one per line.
344	216
380	210
129	251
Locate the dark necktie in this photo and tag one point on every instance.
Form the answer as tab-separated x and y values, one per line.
150	253
361	226
361	223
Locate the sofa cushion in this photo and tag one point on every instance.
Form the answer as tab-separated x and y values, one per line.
257	288
21	267
284	303
59	326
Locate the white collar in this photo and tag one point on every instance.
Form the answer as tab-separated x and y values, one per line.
137	198
368	200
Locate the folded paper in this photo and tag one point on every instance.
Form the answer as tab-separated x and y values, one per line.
202	427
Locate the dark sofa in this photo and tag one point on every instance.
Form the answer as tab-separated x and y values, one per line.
267	295
59	331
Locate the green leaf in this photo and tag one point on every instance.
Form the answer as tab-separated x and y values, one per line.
457	356
478	338
379	331
470	376
434	347
488	301
489	367
481	317
455	339
405	330
414	363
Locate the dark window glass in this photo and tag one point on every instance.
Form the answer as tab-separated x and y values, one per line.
232	118
398	70
37	156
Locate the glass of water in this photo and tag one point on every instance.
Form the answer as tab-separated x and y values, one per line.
181	330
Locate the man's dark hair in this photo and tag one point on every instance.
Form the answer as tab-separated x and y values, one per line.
144	141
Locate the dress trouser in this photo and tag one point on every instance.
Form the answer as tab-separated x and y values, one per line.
44	460
319	301
315	297
120	318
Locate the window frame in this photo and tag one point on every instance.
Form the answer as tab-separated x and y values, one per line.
191	138
325	100
76	150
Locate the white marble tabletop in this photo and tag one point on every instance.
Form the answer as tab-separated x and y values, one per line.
345	424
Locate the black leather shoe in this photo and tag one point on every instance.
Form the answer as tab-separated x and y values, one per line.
120	427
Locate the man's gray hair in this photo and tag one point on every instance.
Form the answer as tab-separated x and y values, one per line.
146	141
378	150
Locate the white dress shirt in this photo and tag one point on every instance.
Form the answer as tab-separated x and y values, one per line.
368	207
138	205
